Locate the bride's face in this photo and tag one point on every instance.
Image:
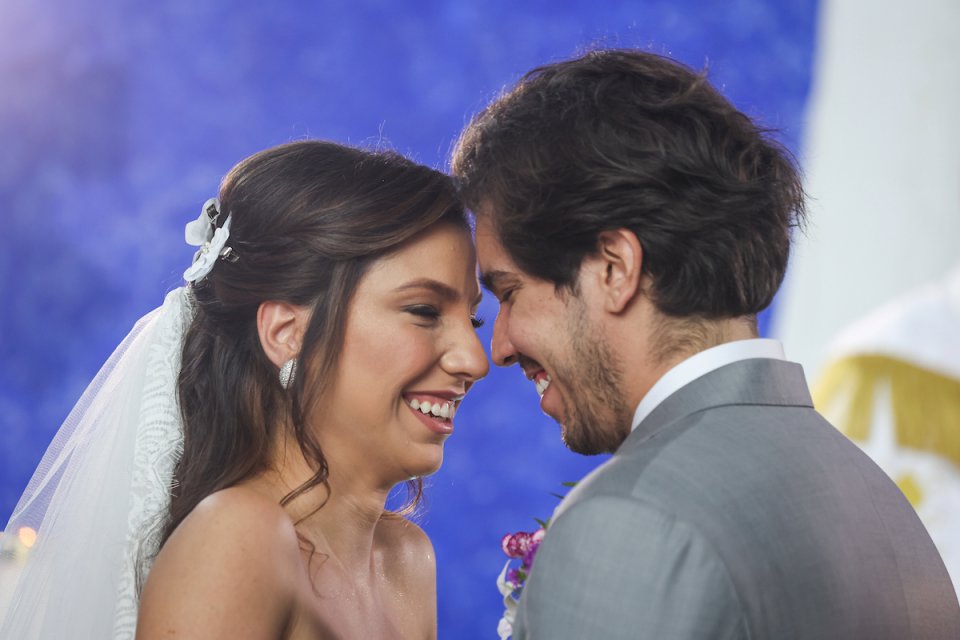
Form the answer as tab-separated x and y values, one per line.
410	352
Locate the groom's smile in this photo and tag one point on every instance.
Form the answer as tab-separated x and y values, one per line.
549	335
535	373
543	382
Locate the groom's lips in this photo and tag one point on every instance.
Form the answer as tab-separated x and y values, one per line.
537	374
531	367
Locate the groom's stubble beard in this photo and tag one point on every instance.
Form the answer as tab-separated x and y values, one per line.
596	419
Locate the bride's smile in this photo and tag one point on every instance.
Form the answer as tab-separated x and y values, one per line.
410	340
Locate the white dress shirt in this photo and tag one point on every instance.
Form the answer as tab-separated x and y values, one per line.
701	364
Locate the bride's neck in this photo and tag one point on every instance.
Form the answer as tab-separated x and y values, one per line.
344	525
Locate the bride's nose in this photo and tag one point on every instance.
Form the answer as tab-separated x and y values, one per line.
465	358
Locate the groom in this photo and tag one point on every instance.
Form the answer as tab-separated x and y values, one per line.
632	223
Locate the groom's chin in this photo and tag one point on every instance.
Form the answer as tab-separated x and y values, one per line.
590	440
584	440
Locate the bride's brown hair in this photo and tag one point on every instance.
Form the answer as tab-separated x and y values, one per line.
308	219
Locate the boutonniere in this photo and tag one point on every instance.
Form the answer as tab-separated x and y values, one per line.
521	546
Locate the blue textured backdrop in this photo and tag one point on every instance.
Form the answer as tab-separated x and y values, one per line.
117	121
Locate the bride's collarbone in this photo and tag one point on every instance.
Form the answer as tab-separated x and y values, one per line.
372	601
333	604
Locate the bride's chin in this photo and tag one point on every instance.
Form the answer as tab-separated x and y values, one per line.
424	467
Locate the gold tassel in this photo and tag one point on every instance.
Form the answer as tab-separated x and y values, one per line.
926	404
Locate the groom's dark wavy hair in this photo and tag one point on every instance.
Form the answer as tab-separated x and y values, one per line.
629	139
308	220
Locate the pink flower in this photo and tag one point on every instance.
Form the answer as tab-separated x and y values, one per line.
522	545
515	545
529	555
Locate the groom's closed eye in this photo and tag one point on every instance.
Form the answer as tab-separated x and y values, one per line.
499	283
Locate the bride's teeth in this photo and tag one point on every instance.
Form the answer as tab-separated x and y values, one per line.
444	410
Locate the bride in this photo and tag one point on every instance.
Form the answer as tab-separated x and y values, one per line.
226	473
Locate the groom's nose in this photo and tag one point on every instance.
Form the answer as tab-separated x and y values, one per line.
502	351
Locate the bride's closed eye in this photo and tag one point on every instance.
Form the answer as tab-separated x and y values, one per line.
427	313
431	315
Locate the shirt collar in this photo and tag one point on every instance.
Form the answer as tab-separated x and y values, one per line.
701	364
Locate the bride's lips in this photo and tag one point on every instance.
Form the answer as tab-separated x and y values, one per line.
441	426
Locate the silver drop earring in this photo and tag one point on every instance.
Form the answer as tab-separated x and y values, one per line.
288	372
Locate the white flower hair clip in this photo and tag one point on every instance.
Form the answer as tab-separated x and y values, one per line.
204	233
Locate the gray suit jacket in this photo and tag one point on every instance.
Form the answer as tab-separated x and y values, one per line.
736	511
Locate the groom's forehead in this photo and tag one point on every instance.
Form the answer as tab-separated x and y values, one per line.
497	269
491	253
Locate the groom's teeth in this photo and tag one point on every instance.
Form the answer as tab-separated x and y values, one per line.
415	404
542	385
435	410
425	407
445	410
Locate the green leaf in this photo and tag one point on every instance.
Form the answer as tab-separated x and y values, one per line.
569	484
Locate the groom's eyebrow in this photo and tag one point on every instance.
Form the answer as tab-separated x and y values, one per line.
495	281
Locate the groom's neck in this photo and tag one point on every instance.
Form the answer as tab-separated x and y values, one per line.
655	343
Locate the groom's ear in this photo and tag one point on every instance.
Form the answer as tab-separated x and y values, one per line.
620	262
280	326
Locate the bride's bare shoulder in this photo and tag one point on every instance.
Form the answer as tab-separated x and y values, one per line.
407	558
244	514
231	565
235	524
406	550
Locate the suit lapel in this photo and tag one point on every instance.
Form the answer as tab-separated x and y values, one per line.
757	381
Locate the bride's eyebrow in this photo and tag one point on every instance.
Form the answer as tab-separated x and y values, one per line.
445	291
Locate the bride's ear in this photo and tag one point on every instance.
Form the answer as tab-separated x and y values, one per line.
281	326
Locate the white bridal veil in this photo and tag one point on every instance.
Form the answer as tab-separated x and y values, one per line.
70	552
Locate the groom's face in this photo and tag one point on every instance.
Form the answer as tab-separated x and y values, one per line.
563	352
